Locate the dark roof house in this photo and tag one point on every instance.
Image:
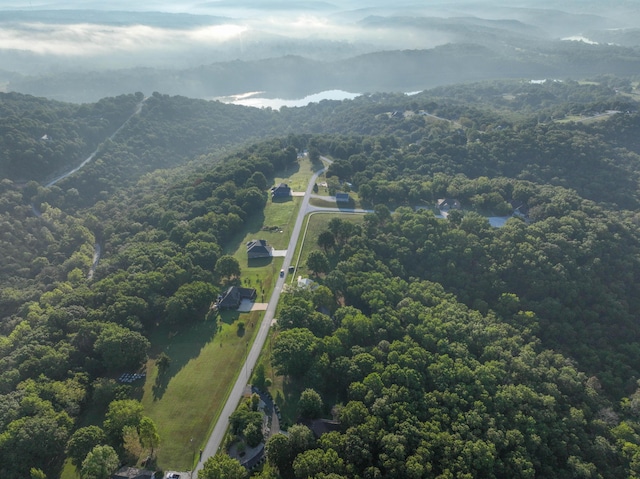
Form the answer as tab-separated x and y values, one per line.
132	473
281	191
321	426
233	296
258	249
446	204
342	198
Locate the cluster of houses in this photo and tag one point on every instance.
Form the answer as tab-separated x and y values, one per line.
283	191
234	295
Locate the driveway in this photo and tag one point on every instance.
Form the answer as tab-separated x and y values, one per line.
248	305
215	440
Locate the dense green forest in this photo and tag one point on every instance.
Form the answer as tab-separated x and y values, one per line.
450	348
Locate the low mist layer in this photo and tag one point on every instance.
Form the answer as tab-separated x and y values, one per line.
160	45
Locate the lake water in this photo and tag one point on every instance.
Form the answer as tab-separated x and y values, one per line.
579	38
255	100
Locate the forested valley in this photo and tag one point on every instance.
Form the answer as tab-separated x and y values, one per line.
446	347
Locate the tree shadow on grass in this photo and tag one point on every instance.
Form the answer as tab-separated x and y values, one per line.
281	199
160	385
349	205
181	346
252	224
287	401
259	262
229	316
316	164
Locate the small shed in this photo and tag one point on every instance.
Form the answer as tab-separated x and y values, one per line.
306	283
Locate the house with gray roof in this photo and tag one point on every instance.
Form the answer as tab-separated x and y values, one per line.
446	204
233	296
259	249
342	198
281	191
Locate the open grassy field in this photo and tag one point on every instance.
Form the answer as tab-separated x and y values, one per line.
329	202
206	356
185	401
69	471
298	176
586	119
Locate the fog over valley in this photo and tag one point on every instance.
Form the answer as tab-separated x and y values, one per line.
82	51
280	239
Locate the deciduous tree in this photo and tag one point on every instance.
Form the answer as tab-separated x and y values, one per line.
317	262
310	404
121	413
294	351
120	348
82	441
222	466
100	463
227	267
149	436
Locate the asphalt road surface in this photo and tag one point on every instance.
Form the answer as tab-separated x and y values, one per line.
217	435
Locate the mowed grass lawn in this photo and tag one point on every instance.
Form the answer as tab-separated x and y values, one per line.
206	357
185	401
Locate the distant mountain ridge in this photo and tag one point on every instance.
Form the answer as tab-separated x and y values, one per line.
295	77
226	48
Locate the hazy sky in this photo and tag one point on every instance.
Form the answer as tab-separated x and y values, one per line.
121	40
79	34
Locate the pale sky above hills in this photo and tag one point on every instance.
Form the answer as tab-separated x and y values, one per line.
230	24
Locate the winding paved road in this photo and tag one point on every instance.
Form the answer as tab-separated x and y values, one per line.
219	430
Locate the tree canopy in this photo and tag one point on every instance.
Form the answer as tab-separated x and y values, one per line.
452	348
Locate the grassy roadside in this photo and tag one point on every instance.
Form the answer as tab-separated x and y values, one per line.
185	402
284	393
314	224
